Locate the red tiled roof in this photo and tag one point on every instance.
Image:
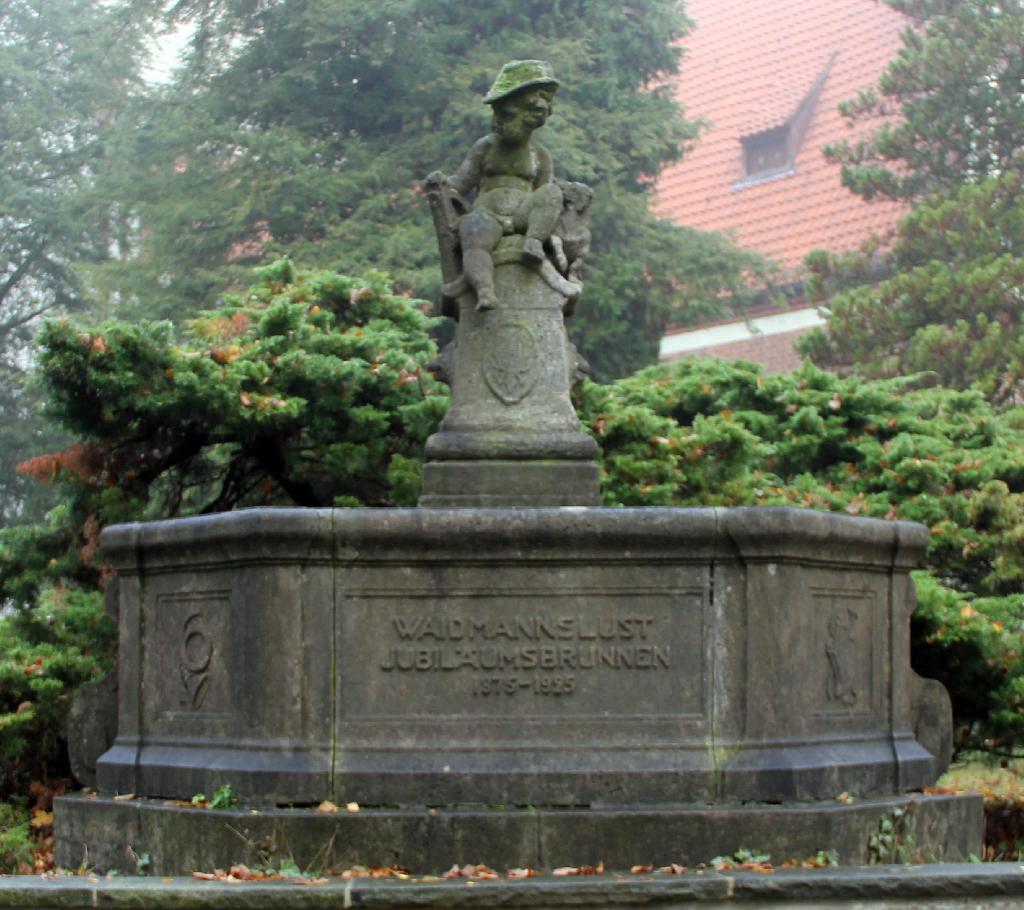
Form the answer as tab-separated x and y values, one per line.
747	66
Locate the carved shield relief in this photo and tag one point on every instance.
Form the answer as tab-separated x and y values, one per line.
510	361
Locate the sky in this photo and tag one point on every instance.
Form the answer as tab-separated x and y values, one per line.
165	54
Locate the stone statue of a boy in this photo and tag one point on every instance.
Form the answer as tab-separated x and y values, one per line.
511	174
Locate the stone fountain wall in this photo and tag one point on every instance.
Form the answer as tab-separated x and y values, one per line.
557	657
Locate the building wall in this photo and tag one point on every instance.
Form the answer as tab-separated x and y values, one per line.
767	339
774	352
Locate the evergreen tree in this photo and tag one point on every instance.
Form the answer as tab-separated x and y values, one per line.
953	304
308	389
952	98
305	127
67	70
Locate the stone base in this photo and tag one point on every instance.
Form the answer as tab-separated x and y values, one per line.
109	834
519	657
510	484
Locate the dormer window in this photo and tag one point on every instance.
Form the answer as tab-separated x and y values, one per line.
764	153
771	152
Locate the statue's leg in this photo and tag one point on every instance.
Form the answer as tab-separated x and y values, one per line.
479	233
557	247
543	208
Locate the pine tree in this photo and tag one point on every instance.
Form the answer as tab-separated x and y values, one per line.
952	99
953	304
67	70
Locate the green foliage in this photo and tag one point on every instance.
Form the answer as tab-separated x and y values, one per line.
974	645
957	83
15	839
47	651
706	432
952	305
893	842
223	798
309	389
951	301
288	868
63	93
23	431
307	127
742	856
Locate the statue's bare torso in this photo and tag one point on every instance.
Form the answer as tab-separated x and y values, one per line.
513	178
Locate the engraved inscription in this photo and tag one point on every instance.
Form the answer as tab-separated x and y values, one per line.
526	645
512	685
196	655
604	653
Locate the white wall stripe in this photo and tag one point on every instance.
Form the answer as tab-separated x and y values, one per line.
777	324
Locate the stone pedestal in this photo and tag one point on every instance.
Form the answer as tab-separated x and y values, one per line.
635	664
534	657
511	436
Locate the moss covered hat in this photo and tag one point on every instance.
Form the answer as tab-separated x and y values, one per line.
519	74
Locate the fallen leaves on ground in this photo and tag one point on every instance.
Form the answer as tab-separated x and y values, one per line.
1002	786
43	852
821	860
375	872
476	873
579	870
743	860
729	866
671	869
242	873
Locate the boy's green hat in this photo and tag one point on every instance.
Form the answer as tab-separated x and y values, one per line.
519	74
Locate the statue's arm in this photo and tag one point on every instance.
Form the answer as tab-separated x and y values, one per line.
545	165
467	178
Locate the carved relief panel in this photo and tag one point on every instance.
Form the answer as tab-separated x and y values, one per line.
596	658
186	667
849	653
